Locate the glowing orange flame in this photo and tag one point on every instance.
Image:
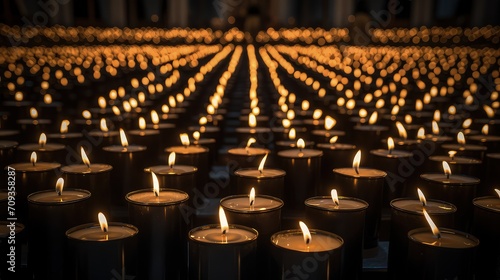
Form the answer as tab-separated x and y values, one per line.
103	222
142	123
42	140
301	144
154	117
123	138
334	139
435	128
184	139
251	197
64	126
156	184
224	226
86	114
485	129
292	134
434	228
356	161
85	159
252	120
33	158
103	125
171	159
421	197
390	144
305	105
261	165
446	169
329	122
335	197
461	138
401	130
33	113
373	118
305	232
317	114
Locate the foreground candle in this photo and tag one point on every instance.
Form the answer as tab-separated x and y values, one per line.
260	212
222	251
100	251
366	184
162	231
344	216
314	253
245	157
440	253
48	152
51	213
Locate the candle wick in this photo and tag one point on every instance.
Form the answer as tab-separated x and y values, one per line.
59	193
223	233
447	176
308	240
260	171
33	163
251	202
88	165
390	151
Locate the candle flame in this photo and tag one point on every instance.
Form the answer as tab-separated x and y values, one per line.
334	139
261	165
33	113
317	114
171	101
461	138
85	159
47	99
446	168
250	142
373	118
165	109
59	186
434	228
251	197
224	226
184	139
156	184
395	110
301	144
452	154
421	133
286	123
437	116
335	197
33	158
329	122
390	144
19	96
362	113
203	121
101	101
485	130
290	114
435	128
42	140
103	222
356	161
103	125
421	197
351	103
401	130
196	135
467	123
126	106
64	126
116	110
408	119
86	114
292	134
498	192
154	117
418	105
489	111
171	159
123	138
252	120
305	105
142	123
305	232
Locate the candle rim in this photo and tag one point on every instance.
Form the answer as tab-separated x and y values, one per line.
238	171
451	205
34	121
470	147
366	204
30	197
161	126
315	153
106	168
142	132
484	138
443	230
493	155
209	128
49	166
474	180
181	150
374	127
382	174
159	204
38	148
9	132
98	226
256	211
128	149
110	133
336	146
299	232
466	160
328	133
249	129
217	226
64	135
8	144
281	129
394	154
475	202
158	169
257	151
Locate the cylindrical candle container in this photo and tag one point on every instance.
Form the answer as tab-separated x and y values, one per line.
162	233
347	219
407	214
368	185
103	139
196	156
50	215
263	135
449	257
213	255
31	178
491	178
466	150
336	155
7	150
94	178
269	181
264	215
302	179
8	134
291	144
244	157
459	165
166	131
280	133
68	139
95	254
485	227
323	135
50	152
390	162
149	138
12	253
31	128
457	189
491	142
364	134
292	257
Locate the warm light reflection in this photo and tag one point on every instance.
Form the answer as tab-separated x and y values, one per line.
421	197
434	228
103	222
305	233
84	156
335	197
356	161
156	184
224	226
59	186
123	138
251	197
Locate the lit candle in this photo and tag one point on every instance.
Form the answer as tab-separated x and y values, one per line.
192	155
407	214
101	251
296	252
263	135
69	139
166	129
147	137
364	134
492	142
344	216
7	150
260	212
435	253
162	231
324	135
246	157
94	177
126	160
291	142
105	136
267	181
491	178
485	227
335	155
210	143
222	251
461	165
32	127
464	149
459	190
51	213
49	152
366	184
302	179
